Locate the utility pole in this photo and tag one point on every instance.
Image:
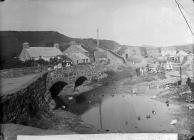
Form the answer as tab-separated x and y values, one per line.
97	38
192	33
100	113
180	73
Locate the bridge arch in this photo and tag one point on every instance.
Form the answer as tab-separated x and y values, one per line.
80	80
56	88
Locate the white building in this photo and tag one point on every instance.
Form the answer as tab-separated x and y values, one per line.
77	54
168	51
79	58
181	54
29	53
75	48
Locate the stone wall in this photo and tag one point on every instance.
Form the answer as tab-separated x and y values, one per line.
17	72
20	106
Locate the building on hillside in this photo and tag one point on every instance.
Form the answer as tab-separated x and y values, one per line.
128	52
75	48
100	56
168	51
79	58
115	59
180	55
77	54
35	53
153	52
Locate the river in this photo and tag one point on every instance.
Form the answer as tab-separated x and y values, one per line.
119	106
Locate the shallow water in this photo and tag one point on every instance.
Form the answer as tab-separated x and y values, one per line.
114	108
126	113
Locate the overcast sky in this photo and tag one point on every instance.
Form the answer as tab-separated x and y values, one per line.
129	22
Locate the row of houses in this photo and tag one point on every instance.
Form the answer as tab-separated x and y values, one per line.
154	52
76	53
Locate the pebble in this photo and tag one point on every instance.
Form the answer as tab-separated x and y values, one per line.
153	112
70	98
63	107
153	97
148	116
173	122
190	106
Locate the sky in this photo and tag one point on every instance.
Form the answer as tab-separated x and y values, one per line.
129	22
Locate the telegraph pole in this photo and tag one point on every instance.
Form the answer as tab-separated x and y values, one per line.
97	38
192	33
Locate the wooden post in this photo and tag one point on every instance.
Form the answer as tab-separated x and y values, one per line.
180	73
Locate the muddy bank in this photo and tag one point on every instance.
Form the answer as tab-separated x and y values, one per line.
167	91
181	96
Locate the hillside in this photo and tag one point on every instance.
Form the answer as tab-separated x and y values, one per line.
11	42
188	47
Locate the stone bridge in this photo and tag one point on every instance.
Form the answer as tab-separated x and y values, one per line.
24	102
76	75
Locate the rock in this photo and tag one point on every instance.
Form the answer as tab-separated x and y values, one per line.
63	107
153	97
167	102
173	122
134	90
70	98
153	112
148	116
190	106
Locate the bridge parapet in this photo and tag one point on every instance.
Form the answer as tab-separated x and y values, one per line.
71	74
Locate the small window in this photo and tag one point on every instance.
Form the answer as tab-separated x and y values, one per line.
86	60
77	61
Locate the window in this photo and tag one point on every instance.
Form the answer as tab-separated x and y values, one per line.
77	61
86	60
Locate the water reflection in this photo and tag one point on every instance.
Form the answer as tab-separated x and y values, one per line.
113	107
129	114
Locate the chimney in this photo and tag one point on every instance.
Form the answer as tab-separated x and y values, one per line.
26	45
56	45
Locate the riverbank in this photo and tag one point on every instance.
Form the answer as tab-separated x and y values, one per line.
169	92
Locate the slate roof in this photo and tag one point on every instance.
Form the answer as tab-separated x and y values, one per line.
77	56
75	49
43	51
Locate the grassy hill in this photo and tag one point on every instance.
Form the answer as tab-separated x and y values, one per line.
11	42
188	47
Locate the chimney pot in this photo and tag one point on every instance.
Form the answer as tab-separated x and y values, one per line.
56	45
26	45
